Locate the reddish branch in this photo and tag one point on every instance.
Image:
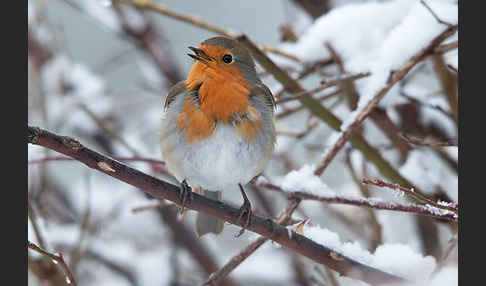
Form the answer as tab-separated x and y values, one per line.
368	202
394	78
58	258
163	190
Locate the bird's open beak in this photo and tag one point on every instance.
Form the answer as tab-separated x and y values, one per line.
199	55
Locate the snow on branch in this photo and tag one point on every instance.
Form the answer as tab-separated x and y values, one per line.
367	104
163	190
304	185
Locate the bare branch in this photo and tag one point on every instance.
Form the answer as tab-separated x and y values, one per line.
58	258
442	49
144	4
163	190
123	159
435	15
421	142
216	277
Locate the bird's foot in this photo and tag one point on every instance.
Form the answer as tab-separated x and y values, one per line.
244	212
185	195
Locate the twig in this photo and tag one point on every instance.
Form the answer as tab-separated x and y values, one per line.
102	124
442	49
377	233
56	259
163	190
412	193
368	108
325	84
425	104
216	277
33	221
313	105
421	142
435	15
123	159
333	82
373	203
144	4
296	97
149	41
299	135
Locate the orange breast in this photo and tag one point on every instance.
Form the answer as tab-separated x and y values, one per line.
222	93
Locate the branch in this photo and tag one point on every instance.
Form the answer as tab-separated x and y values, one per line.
216	277
378	204
163	190
410	192
368	108
421	142
313	105
56	259
435	15
161	9
325	84
123	159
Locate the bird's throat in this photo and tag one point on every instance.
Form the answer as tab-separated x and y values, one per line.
222	93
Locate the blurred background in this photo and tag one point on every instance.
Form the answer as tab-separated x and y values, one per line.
99	72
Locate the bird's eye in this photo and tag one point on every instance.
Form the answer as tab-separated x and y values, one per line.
227	59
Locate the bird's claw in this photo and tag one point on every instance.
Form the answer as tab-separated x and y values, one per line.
245	211
185	195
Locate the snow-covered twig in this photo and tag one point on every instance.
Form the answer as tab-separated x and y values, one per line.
322	112
374	203
56	258
410	192
371	104
163	190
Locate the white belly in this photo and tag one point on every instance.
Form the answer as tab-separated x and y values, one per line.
217	163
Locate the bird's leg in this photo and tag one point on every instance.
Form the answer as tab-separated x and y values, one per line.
245	210
185	195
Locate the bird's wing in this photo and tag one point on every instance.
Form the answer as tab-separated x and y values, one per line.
176	90
263	92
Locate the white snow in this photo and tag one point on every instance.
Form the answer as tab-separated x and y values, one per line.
304	180
102	12
397	259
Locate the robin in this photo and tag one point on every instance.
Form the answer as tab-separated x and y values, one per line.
217	130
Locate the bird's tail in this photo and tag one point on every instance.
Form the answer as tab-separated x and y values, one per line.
207	223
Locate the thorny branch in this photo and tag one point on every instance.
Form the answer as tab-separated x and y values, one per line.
163	190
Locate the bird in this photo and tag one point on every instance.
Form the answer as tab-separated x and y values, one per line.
217	128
